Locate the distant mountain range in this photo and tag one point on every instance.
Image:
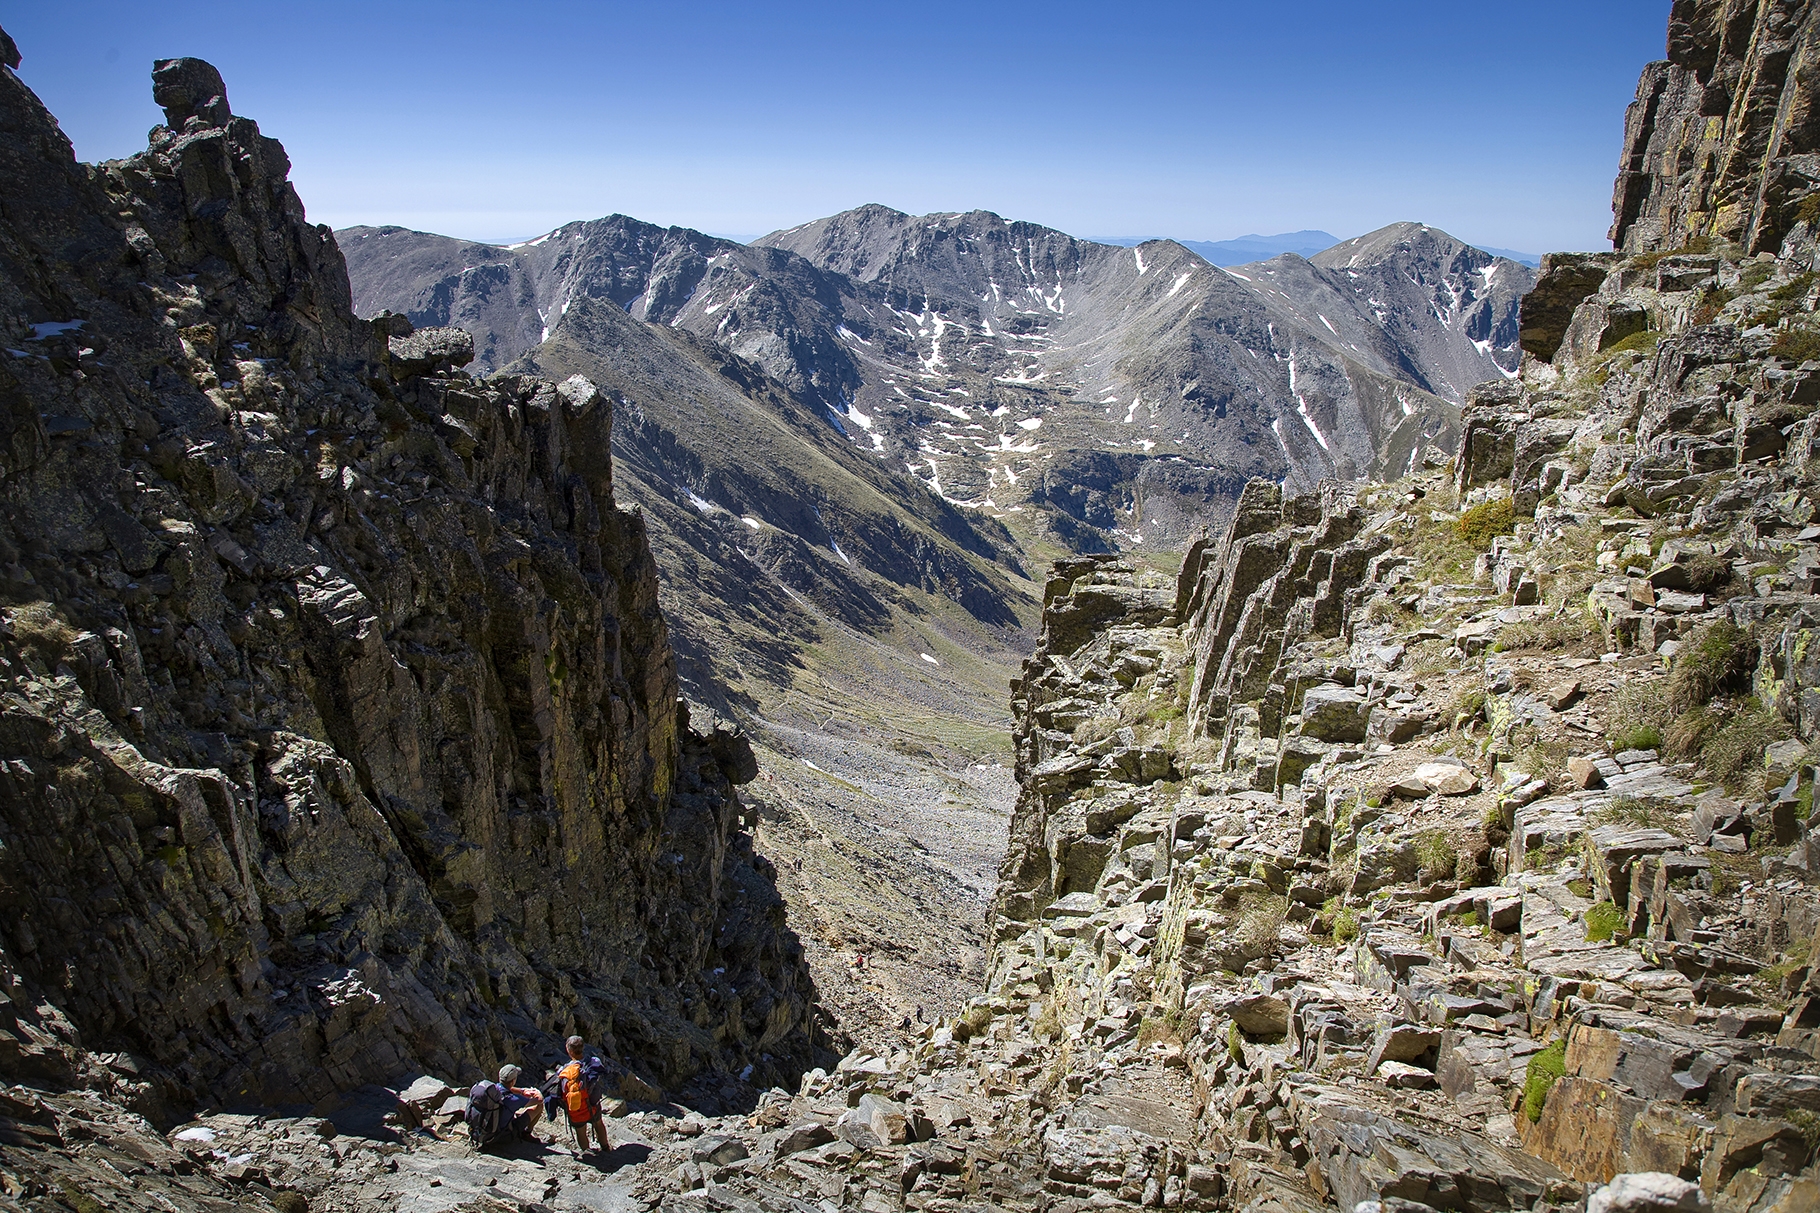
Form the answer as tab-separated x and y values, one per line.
1533	260
1245	249
851	419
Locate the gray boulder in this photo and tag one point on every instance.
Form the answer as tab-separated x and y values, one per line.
1334	713
718	1150
189	88
1260	1015
1404	1042
806	1136
1648	1192
426	350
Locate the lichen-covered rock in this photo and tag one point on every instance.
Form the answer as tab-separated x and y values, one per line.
1719	141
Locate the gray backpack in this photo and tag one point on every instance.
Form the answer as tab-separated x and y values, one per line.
486	1112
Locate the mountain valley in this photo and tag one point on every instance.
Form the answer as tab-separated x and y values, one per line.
960	716
856	442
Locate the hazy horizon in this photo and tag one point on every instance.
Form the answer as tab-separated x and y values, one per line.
1198	122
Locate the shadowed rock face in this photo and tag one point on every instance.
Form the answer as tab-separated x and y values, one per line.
1723	140
340	725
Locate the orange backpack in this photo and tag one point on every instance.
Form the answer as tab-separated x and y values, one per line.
575	1094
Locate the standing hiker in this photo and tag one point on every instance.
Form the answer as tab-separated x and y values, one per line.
576	1090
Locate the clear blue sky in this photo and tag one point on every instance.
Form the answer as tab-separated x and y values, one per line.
1498	122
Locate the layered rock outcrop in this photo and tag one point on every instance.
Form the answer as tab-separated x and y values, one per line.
341	736
1439	845
1443	844
1723	141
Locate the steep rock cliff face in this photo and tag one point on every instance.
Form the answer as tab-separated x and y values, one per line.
1723	140
340	727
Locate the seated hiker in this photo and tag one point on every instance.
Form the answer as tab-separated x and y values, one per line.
576	1090
503	1111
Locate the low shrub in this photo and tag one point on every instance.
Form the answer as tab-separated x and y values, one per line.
1794	289
1603	921
1634	811
1437	853
41	628
1796	345
1495	828
1688	734
1384	609
1543	858
1482	523
1543	758
1708	305
1566	632
1639	714
1049	1023
1260	920
1539	1077
1793	961
973	1023
1466	707
1707	572
1634	737
1440	553
1734	751
1729	872
1637	343
1154	1028
1095	728
1808	1124
1718	657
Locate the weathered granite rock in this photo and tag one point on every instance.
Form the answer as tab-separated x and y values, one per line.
1260	1015
1776	1094
1648	1192
1565	280
425	350
885	1117
805	1136
1364	1155
1334	713
1403	1043
1445	779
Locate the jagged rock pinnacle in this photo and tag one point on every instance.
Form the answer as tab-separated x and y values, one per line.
190	88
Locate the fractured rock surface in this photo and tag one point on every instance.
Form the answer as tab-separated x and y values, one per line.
1434	845
342	733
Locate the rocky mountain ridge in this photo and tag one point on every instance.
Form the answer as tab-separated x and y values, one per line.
1721	142
910	347
771	411
343	735
1439	844
806	567
1443	844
